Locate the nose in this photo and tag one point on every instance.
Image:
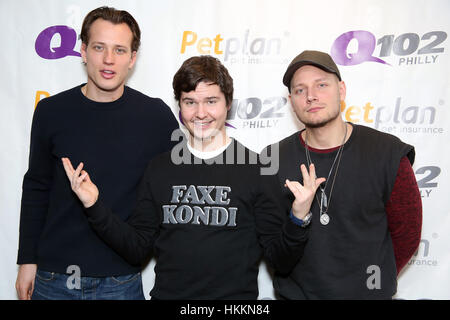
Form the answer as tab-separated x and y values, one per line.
201	111
311	95
108	57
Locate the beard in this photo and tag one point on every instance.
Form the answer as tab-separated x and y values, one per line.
322	122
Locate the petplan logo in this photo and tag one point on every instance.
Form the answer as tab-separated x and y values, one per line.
423	256
56	42
247	48
396	117
395	50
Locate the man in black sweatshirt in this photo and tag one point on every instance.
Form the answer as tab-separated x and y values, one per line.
108	125
205	210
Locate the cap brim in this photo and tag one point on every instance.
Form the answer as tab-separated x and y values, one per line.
294	67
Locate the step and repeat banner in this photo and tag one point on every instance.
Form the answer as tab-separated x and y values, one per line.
393	56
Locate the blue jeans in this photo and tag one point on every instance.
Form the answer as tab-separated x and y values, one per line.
56	286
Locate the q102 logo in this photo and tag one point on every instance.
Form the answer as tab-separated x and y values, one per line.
411	48
43	44
426	179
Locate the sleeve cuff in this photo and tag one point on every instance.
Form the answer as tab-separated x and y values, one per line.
295	220
97	211
294	231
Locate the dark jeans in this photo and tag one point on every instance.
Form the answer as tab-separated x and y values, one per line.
56	286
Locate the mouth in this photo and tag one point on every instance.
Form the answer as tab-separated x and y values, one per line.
107	74
314	109
203	124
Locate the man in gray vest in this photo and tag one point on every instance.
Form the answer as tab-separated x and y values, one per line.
365	221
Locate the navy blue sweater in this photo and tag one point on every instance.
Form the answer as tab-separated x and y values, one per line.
115	141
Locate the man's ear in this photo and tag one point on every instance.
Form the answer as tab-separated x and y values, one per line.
83	52
342	90
290	101
133	59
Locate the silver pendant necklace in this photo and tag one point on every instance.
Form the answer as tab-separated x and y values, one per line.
324	201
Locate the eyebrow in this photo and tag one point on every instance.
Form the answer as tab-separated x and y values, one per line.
317	80
206	98
104	43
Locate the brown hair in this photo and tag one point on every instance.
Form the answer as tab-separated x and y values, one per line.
202	69
114	16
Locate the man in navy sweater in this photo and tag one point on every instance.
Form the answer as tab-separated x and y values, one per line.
110	126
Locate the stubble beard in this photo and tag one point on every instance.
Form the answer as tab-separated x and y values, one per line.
322	123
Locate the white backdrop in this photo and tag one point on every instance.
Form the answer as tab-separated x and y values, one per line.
393	56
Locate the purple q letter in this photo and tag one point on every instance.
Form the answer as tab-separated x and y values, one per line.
68	41
366	46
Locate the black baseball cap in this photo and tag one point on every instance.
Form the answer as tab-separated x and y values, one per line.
318	59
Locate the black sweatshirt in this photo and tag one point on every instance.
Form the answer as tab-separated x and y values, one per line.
202	222
115	141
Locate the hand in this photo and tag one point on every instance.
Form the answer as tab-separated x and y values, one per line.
304	194
81	184
25	281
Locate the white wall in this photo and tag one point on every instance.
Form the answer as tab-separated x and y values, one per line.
408	95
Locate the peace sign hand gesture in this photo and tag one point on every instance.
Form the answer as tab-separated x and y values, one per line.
304	194
81	184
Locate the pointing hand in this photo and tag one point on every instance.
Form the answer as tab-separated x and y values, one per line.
81	184
304	194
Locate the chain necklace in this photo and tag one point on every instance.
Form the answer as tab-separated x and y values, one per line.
324	201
